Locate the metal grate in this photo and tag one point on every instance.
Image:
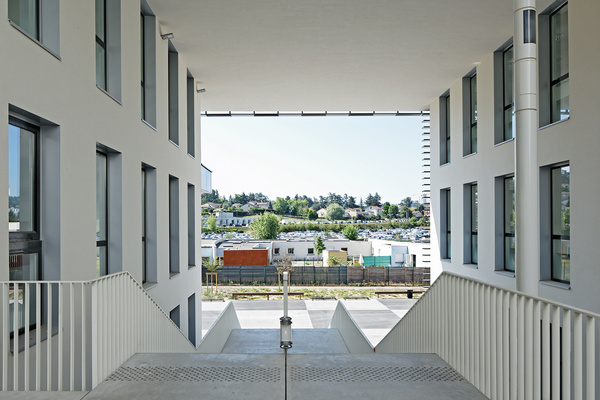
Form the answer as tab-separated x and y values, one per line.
374	374
193	374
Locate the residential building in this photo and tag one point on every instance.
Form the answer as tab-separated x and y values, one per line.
322	212
353	213
373	211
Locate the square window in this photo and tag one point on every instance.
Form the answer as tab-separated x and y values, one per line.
291	250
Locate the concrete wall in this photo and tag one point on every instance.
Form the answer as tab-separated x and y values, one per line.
76	117
575	141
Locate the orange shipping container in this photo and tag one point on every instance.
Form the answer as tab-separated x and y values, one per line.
246	257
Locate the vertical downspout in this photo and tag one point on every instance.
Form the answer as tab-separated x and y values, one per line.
526	166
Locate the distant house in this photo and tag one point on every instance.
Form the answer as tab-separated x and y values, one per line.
210	206
322	212
353	212
255	204
236	205
373	211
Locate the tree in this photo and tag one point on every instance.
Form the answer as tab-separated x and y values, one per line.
211	223
280	206
212	265
266	226
311	214
393	211
350	232
385	208
319	245
407	202
351	202
377	199
334	212
405	212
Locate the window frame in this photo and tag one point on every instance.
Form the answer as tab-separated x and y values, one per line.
474	219
508	106
104	243
554	236
445	132
565	76
505	234
469	113
144	224
104	45
446	223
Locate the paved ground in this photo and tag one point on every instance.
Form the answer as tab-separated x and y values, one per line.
375	317
262	376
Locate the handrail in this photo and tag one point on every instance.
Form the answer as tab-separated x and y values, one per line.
507	344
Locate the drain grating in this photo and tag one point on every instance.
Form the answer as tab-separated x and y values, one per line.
374	374
193	374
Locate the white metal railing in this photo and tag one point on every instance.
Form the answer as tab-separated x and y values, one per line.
507	344
72	335
216	337
125	321
353	336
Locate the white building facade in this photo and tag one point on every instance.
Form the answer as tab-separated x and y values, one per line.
107	177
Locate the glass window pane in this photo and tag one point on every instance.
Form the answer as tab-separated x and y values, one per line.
24	13
101	204
101	260
474	250
561	201
559	42
509	123
474	139
23	267
508	76
560	101
100	66
509	253
100	19
474	207
474	99
448	245
561	260
509	205
21	180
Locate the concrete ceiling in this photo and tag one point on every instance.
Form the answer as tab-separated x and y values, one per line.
331	55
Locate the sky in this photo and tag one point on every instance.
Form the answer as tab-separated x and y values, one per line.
284	156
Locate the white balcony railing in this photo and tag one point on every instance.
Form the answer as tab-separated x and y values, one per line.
507	344
72	335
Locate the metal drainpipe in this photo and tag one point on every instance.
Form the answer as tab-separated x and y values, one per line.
526	165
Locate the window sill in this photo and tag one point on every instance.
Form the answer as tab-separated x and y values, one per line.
191	266
34	40
174	143
558	285
504	142
444	164
149	125
173	275
504	272
469	155
554	123
149	285
109	95
472	266
193	157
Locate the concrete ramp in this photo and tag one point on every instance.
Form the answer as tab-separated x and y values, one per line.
266	341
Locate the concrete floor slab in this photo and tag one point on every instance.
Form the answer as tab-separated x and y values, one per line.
321	305
376	376
363	305
269	319
195	376
262	376
266	341
320	318
268	305
398	304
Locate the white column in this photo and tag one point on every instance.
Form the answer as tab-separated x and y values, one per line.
526	168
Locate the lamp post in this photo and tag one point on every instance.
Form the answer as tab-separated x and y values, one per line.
285	322
285	331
